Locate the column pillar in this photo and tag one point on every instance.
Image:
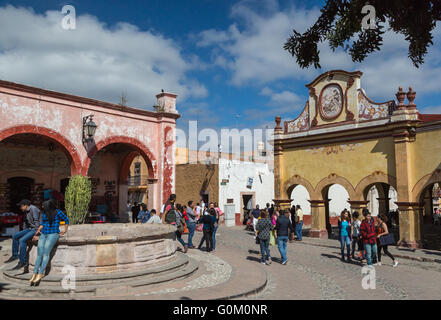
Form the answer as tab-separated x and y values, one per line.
282	204
278	162
428	208
383	205
358	205
318	219
404	135
154	195
123	190
410	221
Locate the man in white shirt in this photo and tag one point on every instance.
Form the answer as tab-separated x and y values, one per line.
154	217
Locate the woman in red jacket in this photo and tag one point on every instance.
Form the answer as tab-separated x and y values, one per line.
369	236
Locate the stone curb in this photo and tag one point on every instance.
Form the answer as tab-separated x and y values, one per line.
398	255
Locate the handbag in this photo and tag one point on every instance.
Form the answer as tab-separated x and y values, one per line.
272	238
387	239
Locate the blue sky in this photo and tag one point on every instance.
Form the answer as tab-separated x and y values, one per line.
224	58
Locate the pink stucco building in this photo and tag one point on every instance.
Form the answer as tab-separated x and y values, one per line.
42	145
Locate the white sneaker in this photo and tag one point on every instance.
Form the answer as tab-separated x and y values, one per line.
378	264
395	263
269	261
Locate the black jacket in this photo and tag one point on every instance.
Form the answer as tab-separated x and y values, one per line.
283	225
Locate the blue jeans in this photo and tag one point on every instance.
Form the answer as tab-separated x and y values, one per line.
20	241
345	240
371	253
298	230
191	226
46	242
264	249
179	238
214	238
281	243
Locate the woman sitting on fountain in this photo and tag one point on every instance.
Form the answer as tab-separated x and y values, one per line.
47	236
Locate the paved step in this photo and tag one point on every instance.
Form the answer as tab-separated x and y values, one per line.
179	261
22	289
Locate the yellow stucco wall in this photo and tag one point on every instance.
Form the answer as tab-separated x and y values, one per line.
352	161
426	154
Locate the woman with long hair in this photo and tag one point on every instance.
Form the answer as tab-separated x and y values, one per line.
382	230
47	236
345	234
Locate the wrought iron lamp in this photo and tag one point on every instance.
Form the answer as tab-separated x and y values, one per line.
89	128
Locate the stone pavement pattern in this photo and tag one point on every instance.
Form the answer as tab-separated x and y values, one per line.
314	271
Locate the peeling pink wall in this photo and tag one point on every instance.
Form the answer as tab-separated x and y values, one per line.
59	116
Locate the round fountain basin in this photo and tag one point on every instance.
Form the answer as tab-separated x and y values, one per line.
111	248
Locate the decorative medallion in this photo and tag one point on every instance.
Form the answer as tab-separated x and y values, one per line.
331	101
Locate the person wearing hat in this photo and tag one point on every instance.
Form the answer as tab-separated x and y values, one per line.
31	222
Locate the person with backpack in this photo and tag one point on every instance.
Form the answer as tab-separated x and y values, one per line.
382	230
168	214
283	227
369	236
345	234
180	226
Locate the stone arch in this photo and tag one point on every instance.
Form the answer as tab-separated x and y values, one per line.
68	148
140	147
295	180
424	182
374	178
335	179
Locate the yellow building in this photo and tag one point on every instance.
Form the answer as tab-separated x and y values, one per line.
138	181
343	137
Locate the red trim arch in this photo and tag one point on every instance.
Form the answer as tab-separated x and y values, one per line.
140	147
68	148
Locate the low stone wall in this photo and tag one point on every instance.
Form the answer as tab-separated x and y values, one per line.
107	248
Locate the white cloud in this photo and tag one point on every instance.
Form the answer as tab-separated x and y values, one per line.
251	48
254	53
95	60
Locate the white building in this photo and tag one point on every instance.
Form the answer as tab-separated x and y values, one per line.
245	184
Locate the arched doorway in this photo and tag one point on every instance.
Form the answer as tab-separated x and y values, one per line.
336	200
430	199
19	188
300	196
32	165
110	166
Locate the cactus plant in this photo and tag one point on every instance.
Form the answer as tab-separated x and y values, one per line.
77	199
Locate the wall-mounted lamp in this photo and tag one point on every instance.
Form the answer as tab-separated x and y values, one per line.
89	128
